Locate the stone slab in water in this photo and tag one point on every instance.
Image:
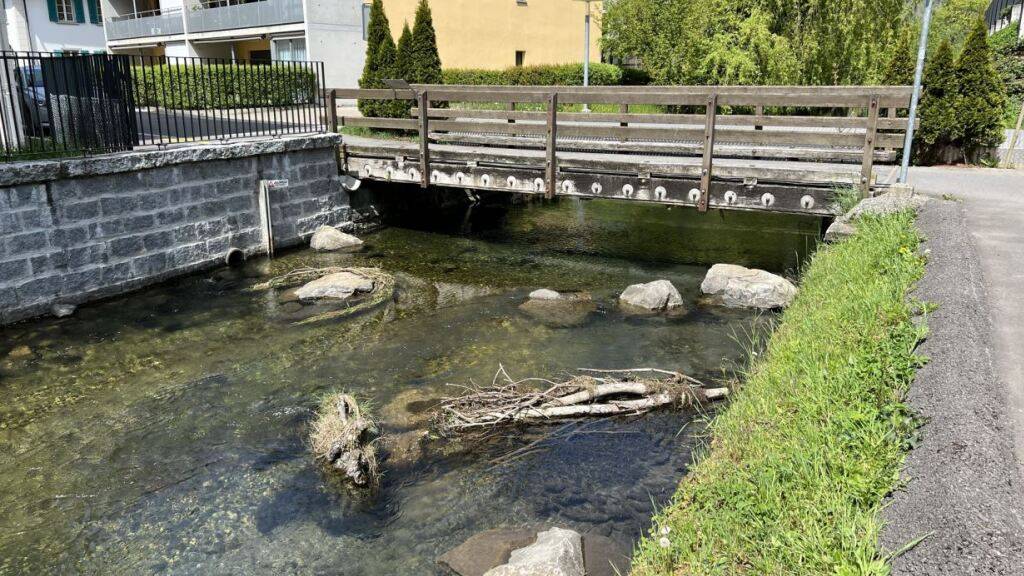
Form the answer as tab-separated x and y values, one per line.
739	287
339	285
481	552
556	552
328	239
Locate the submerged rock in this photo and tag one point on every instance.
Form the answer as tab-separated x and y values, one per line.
327	239
557	552
339	285
739	287
656	296
558	310
406	448
19	352
481	552
411	408
63	310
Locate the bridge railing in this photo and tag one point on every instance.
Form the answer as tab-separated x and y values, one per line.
835	124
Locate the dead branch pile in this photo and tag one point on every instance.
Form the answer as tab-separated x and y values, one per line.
589	394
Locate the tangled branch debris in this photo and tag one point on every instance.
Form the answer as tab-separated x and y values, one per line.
383	288
344	438
593	393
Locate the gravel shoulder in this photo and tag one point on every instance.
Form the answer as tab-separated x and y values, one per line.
963	485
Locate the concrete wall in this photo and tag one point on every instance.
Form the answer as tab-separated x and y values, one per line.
334	35
77	230
46	36
487	33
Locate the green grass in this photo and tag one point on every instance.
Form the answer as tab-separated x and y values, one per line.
378	133
799	463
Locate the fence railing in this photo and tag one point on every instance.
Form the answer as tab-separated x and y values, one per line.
233	14
56	105
150	23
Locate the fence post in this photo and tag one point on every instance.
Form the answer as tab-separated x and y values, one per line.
709	147
424	103
869	147
552	157
332	111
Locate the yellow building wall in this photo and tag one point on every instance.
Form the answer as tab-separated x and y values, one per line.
487	33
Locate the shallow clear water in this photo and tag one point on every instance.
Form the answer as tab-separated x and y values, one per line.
163	432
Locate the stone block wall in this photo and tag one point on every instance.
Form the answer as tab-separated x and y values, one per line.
77	230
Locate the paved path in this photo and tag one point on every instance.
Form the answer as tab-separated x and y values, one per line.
994	202
965	488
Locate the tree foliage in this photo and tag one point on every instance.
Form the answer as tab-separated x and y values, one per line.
425	62
380	59
403	61
982	96
938	104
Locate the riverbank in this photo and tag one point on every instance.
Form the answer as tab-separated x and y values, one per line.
801	461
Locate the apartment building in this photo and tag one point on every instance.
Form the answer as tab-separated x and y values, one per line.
327	30
68	26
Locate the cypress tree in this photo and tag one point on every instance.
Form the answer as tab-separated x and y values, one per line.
425	62
982	96
403	65
900	68
939	125
380	59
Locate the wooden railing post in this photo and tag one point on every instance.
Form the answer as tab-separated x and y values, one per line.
332	111
869	147
759	111
552	156
709	148
424	103
512	109
624	109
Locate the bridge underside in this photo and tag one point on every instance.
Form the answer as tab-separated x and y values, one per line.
738	184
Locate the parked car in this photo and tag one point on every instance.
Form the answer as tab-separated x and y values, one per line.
32	91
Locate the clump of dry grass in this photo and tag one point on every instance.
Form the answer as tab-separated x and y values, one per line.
344	437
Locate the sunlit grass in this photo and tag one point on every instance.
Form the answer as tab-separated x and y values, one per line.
799	463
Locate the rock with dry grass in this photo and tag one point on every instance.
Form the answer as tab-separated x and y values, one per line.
344	438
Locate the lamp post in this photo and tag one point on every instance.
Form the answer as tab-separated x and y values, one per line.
586	49
918	71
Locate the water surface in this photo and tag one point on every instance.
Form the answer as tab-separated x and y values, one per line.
163	432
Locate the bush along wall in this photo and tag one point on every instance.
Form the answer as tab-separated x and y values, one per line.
222	86
540	75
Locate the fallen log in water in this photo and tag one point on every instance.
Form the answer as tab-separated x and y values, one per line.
594	393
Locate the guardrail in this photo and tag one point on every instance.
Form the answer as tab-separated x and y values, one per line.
233	14
800	123
148	23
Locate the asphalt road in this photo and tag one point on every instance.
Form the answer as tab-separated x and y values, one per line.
964	492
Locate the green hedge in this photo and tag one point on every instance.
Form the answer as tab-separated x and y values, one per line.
222	86
544	75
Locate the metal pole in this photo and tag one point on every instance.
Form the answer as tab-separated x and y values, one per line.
918	72
586	52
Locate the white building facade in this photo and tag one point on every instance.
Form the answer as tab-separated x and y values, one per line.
331	31
66	26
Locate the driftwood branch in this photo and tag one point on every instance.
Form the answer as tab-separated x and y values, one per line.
537	400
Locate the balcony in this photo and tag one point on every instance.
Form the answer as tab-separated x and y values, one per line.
216	15
144	24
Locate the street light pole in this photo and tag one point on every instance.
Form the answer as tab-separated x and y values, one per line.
586	51
918	72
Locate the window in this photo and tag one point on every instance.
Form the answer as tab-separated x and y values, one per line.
520	57
366	21
95	14
65	11
290	49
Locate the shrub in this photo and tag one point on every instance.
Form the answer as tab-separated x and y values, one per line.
540	75
982	97
222	86
424	60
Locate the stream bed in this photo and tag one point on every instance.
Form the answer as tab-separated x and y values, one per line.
164	431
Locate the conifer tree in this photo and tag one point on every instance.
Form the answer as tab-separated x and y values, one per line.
404	61
380	59
939	126
982	96
425	62
899	70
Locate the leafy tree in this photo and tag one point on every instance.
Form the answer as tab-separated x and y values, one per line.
939	126
953	21
380	59
403	63
981	97
424	60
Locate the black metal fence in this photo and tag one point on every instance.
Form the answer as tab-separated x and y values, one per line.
63	105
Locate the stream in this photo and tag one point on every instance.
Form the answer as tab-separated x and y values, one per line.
164	431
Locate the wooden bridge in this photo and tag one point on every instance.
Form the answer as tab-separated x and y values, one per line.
774	148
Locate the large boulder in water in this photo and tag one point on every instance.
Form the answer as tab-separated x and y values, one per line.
739	287
327	239
492	548
556	552
340	285
656	296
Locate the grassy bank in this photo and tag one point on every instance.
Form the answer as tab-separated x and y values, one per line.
800	461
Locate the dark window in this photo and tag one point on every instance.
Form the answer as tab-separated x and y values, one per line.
259	56
520	57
